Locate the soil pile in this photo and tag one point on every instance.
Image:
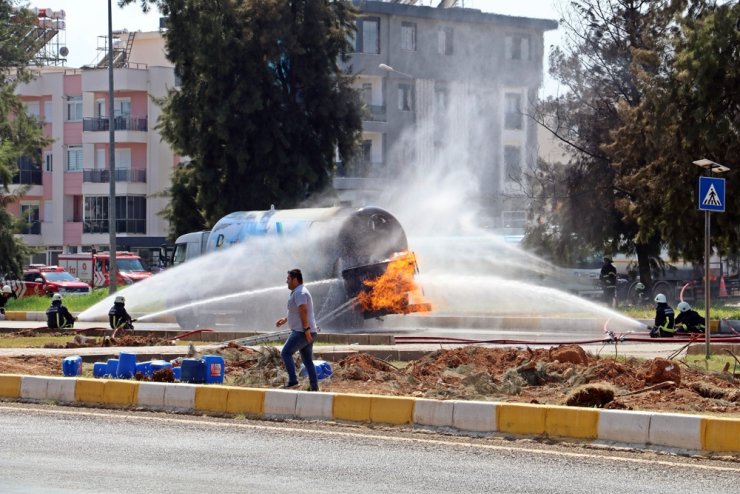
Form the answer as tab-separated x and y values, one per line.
564	375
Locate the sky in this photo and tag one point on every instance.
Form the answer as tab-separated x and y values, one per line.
88	19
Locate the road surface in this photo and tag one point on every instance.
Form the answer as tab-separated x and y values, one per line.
65	450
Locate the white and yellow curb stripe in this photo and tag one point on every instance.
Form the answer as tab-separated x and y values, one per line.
667	430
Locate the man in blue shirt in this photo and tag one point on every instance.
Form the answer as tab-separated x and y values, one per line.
302	323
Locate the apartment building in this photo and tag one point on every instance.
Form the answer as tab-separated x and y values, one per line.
66	207
451	85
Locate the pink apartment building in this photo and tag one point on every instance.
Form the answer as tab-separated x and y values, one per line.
66	208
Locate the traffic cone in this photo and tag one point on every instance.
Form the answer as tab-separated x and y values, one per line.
722	287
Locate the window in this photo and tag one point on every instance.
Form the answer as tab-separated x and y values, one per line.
517	47
49	162
514	219
512	163
74	158
33	109
74	109
513	115
30	218
130	214
405	97
408	36
444	40
368	35
367	93
367	151
48	109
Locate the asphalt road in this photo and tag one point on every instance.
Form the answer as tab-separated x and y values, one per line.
61	450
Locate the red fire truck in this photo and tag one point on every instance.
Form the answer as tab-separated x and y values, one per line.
94	267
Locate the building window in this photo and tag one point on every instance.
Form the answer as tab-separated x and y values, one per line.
444	40
49	162
405	97
48	109
368	35
74	109
518	47
514	219
130	214
33	110
513	115
408	36
74	158
30	219
367	93
513	163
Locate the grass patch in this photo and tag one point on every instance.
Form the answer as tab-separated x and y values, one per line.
75	303
33	341
716	363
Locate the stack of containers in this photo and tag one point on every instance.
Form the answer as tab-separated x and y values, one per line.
209	370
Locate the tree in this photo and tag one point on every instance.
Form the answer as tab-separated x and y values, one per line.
592	205
20	135
182	211
263	104
691	110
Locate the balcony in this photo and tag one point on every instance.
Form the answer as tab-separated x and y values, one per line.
122	226
101	124
374	113
31	228
122	175
27	177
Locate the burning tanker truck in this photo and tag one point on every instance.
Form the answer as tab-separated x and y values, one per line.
361	254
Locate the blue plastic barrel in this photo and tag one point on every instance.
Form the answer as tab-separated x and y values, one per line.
99	369
112	368
323	369
72	366
156	365
177	372
214	369
144	368
126	365
193	371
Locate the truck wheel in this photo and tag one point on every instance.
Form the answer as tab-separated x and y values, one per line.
190	319
666	289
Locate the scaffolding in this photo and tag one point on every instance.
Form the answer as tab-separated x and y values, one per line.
46	41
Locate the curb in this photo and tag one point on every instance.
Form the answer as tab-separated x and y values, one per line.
694	433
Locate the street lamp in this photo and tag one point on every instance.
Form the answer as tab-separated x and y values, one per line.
388	68
112	269
711	167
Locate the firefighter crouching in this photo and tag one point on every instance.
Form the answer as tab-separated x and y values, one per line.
118	317
5	294
664	323
688	320
57	315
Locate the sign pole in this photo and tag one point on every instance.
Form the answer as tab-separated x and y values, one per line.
707	298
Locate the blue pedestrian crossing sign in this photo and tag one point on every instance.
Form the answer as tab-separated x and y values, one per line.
712	194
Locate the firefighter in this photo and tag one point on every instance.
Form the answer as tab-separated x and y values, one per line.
608	279
664	323
57	315
688	320
117	315
5	295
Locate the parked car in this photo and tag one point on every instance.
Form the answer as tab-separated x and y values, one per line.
38	280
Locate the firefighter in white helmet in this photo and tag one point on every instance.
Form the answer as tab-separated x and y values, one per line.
5	294
688	320
57	315
664	323
117	315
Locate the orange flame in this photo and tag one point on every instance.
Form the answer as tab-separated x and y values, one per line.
390	291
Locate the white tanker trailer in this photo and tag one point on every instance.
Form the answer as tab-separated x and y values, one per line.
349	245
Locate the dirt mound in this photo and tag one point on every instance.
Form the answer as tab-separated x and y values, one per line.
591	395
660	370
569	354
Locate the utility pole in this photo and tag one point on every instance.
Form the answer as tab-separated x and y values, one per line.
112	270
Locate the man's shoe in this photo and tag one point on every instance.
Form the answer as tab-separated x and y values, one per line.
290	386
311	388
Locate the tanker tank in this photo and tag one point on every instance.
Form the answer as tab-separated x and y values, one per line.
345	244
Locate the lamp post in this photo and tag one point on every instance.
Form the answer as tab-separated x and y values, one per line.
112	270
388	68
711	167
